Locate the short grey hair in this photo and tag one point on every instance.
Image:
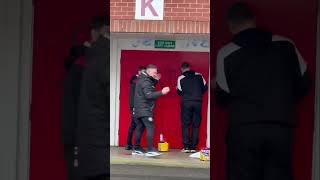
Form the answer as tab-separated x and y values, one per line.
151	66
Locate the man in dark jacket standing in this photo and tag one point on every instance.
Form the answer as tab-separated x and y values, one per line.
94	110
260	77
133	123
74	66
190	86
144	103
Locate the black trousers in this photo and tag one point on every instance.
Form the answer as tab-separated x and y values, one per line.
142	123
190	115
94	160
101	177
259	152
69	158
132	128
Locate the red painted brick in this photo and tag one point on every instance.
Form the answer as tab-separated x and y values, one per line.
206	6
175	27
132	4
112	4
145	26
116	17
115	25
131	9
202	10
177	18
203	1
130	26
207	27
184	18
150	26
171	5
196	5
178	26
172	27
198	27
183	14
184	27
167	18
181	26
191	1
138	27
178	1
167	9
203	19
115	9
122	4
190	10
122	26
127	1
196	14
163	26
190	25
169	14
127	17
119	13
158	27
133	26
187	18
130	13
152	29
183	5
206	14
177	10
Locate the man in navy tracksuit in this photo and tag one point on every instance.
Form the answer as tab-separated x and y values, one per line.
260	77
191	86
133	124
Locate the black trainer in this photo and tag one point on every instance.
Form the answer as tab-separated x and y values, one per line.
128	148
185	150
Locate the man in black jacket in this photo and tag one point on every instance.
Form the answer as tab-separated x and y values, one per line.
94	109
144	103
191	86
260	77
74	66
133	123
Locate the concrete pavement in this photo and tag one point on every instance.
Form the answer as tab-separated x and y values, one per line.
137	172
174	158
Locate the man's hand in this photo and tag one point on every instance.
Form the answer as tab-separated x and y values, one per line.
165	90
157	77
87	44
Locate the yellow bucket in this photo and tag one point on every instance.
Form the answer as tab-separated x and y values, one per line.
163	147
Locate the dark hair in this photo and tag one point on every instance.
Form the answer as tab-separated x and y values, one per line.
239	13
142	68
98	22
151	66
185	65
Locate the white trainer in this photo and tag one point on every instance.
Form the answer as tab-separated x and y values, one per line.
152	154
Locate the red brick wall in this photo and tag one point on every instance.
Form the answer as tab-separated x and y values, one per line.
180	16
